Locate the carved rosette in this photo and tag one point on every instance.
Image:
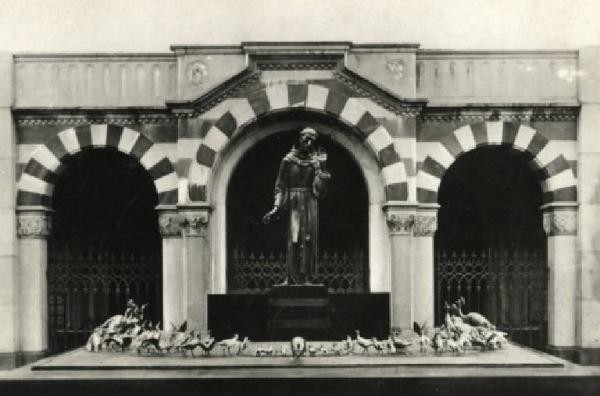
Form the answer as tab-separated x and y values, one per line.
560	222
425	225
195	223
400	223
34	224
169	224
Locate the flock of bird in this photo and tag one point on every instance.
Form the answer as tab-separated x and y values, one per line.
458	333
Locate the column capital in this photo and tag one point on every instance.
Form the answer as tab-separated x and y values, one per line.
426	220
400	217
194	219
560	219
33	222
169	221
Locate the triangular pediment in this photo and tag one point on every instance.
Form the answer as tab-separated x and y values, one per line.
297	64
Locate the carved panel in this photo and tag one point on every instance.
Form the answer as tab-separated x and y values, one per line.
400	222
195	222
425	225
91	80
33	224
497	77
169	224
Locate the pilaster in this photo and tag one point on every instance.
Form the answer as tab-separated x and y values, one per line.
9	264
172	264
588	175
400	218
196	263
423	265
33	229
560	225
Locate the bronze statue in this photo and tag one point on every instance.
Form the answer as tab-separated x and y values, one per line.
301	180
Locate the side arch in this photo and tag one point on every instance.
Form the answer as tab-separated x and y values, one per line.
36	185
554	173
240	111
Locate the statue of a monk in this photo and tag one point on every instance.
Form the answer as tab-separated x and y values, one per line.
302	179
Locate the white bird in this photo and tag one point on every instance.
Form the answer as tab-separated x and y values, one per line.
229	343
364	343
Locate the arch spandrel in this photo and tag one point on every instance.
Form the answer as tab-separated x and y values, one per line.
554	173
40	175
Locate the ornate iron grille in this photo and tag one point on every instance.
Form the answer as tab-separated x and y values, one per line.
255	273
87	287
510	290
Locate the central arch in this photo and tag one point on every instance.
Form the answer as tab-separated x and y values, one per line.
328	126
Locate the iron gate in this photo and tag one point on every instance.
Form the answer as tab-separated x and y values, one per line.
86	286
509	289
253	273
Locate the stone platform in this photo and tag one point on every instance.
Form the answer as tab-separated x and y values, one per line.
511	356
511	371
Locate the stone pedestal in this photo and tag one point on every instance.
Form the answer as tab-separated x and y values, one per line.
196	264
423	268
33	229
560	224
401	219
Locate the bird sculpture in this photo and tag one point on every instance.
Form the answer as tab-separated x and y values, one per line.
472	318
298	347
191	343
243	345
400	343
208	343
229	343
364	343
424	340
439	341
379	346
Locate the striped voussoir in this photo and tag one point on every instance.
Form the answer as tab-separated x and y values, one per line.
556	177
240	111
41	172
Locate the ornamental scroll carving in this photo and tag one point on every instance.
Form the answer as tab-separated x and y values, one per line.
399	222
560	222
33	225
425	225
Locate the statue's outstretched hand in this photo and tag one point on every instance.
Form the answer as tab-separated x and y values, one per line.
267	218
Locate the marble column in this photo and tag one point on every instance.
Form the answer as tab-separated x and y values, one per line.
423	268
172	265
560	224
33	229
400	220
196	264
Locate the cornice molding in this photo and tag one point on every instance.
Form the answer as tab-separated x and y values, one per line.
500	112
48	116
195	107
383	97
